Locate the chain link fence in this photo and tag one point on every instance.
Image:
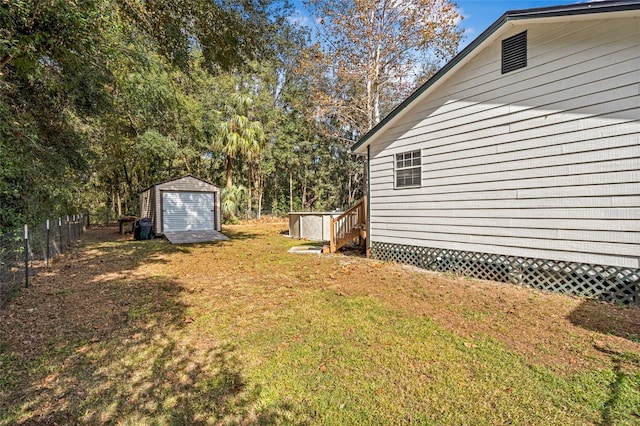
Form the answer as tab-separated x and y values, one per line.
23	252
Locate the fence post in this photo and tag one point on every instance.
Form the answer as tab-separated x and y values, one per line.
68	231
47	254
60	229
26	255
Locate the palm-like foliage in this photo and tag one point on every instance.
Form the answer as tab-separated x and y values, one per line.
238	135
231	200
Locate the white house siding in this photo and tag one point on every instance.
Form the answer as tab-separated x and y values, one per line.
541	162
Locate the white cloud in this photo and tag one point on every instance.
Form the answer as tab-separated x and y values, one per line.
299	18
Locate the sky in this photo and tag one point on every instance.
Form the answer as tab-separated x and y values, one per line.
478	14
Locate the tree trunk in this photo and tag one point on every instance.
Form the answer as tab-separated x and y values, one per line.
304	197
373	81
275	203
199	165
290	191
5	60
186	164
369	103
119	204
249	200
127	179
259	191
250	189
229	162
112	208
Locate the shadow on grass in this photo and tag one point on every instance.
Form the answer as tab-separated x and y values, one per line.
307	243
154	380
239	235
619	390
606	318
95	342
232	235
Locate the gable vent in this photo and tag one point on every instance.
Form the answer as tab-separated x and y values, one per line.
514	52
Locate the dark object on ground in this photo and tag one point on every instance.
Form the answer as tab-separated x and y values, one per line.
126	219
142	229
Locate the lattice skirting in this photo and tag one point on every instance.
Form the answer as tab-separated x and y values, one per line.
609	283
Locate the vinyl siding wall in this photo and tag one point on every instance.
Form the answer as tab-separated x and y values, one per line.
541	162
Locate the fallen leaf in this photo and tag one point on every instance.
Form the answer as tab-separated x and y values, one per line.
323	368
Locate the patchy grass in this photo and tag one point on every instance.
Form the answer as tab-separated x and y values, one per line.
241	332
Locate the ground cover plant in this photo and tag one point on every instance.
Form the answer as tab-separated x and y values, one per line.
241	332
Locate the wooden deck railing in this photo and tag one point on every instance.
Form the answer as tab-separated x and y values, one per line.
348	226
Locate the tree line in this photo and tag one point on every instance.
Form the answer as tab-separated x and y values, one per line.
100	99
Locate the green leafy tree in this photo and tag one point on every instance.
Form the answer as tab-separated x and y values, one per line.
101	97
237	135
228	34
49	94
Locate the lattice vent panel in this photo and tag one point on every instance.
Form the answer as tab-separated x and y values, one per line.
613	284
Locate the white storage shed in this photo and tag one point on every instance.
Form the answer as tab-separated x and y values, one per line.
182	204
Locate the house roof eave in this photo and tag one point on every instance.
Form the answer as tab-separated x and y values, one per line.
515	17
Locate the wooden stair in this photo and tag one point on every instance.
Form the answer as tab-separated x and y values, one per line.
348	226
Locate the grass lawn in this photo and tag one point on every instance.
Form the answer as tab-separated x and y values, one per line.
241	332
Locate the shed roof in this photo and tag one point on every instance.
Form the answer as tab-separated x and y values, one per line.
178	178
489	35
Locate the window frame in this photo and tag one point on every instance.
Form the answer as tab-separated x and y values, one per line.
412	166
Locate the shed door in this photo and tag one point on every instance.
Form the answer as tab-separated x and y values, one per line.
187	211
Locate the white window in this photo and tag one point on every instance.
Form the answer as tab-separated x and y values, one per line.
408	169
